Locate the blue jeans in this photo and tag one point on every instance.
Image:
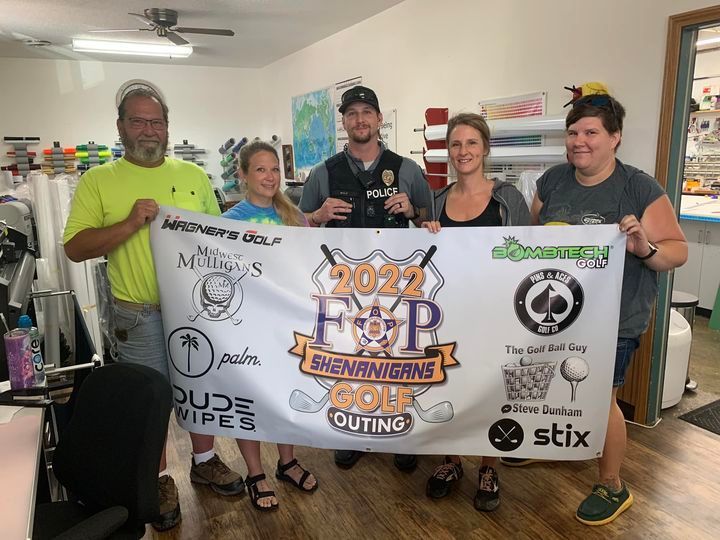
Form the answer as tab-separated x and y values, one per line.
141	338
623	354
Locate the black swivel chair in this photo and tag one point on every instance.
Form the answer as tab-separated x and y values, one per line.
108	456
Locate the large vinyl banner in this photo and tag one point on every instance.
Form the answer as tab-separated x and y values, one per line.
478	341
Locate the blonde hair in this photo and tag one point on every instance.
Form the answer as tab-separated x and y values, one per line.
289	213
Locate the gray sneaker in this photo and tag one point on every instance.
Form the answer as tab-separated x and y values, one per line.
169	504
218	476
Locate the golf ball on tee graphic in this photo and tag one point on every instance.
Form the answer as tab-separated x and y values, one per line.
574	370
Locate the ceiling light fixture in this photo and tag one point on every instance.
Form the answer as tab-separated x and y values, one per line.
127	47
708	41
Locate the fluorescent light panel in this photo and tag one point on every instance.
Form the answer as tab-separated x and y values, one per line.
127	47
708	41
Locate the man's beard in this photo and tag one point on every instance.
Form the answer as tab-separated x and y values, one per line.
360	139
144	154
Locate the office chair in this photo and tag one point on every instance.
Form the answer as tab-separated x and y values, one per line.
108	456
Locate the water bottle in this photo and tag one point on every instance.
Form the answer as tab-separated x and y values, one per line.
37	361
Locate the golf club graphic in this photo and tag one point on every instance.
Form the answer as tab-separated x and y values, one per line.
302	402
574	370
435	414
506	435
331	259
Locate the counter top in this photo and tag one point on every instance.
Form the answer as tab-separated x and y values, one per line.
20	446
700	208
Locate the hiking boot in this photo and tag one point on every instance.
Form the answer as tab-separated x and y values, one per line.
518	462
440	483
603	505
487	497
218	476
405	462
169	504
345	459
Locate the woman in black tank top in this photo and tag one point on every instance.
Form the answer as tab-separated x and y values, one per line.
468	203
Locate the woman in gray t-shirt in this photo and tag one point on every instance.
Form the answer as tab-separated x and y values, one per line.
595	187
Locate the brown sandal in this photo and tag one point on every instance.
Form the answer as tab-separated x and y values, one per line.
281	474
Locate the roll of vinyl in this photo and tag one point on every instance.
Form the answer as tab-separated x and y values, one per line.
435	133
51	329
224	148
436	156
510	154
227	159
528	125
229	173
242	142
229	185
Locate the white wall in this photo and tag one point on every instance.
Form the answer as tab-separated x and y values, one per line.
418	54
424	53
73	102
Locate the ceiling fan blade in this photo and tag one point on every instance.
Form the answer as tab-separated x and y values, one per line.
118	30
143	19
210	31
177	40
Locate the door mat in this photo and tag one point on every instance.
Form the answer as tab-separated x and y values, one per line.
706	417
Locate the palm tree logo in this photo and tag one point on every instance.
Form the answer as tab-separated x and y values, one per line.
180	346
190	342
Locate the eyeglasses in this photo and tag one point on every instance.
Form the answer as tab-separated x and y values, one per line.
140	123
597	100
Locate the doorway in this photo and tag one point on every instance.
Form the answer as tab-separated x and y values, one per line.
687	77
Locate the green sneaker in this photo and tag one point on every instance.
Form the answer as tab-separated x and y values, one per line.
603	505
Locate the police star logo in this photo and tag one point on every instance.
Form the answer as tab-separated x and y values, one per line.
388	177
375	329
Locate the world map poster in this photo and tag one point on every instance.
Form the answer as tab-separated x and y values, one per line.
313	121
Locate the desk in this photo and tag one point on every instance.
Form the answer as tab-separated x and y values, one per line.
20	443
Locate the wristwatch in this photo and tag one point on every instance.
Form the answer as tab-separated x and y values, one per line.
653	251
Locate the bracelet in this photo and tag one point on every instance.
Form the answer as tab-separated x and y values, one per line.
312	218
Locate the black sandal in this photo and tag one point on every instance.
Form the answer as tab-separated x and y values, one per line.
255	495
281	471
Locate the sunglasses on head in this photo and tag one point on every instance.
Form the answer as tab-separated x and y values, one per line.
597	100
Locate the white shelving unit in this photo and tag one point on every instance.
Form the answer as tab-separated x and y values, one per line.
702	157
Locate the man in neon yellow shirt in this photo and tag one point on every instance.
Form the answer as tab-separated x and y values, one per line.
111	211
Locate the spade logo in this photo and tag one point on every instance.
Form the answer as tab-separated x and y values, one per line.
548	301
506	435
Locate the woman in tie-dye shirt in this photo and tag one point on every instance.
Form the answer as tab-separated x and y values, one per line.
265	203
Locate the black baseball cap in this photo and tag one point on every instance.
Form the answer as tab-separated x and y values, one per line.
358	93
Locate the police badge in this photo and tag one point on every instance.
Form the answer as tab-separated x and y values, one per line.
388	177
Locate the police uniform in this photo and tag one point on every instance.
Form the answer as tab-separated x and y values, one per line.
344	177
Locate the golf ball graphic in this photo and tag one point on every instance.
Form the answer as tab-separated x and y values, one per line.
574	370
217	288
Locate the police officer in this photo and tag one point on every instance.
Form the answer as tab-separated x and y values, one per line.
366	185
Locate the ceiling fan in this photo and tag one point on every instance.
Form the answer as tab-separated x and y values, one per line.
163	21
